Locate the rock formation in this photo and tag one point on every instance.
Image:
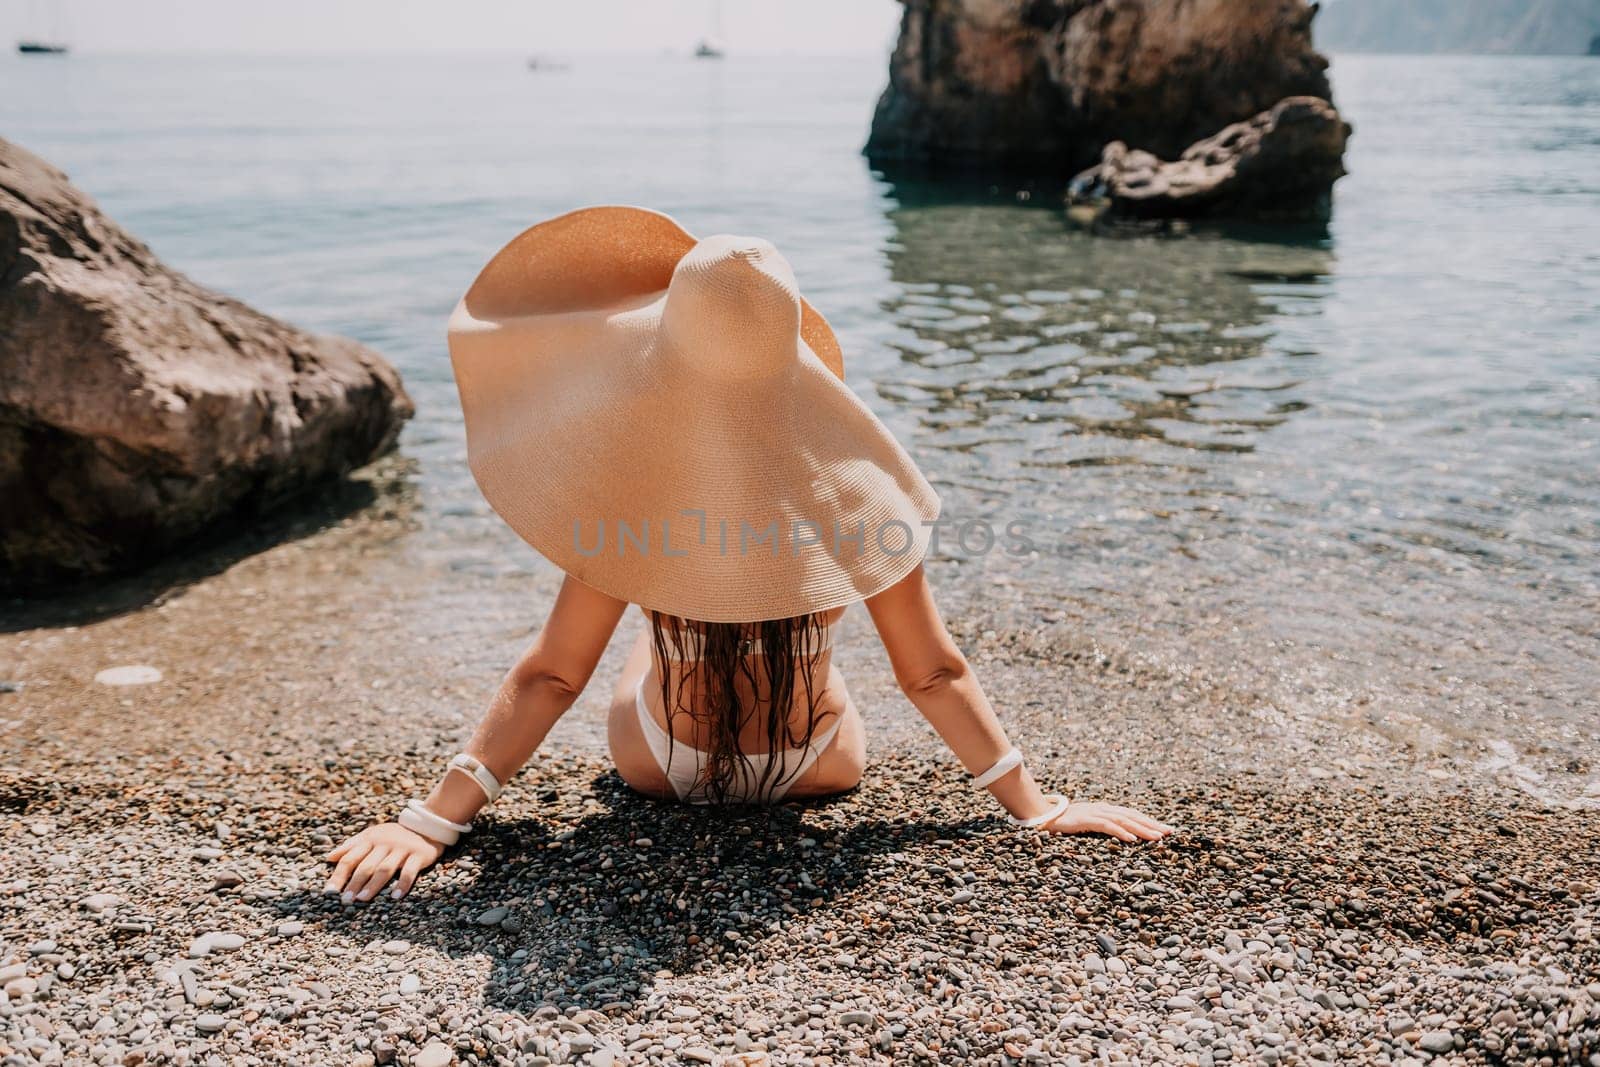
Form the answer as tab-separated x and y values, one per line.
1280	164
137	408
1045	85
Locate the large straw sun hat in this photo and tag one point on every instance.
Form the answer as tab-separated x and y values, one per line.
666	420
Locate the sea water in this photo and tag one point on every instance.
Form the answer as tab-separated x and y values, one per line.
1363	459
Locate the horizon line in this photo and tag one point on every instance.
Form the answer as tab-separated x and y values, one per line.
685	51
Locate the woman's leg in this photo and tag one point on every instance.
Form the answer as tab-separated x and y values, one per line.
629	750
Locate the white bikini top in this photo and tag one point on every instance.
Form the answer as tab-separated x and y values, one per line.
694	646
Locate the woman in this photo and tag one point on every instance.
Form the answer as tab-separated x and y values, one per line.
665	419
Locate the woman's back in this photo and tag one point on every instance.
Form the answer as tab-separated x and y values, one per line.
738	712
692	668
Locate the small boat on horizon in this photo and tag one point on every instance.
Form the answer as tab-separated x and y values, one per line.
711	46
41	41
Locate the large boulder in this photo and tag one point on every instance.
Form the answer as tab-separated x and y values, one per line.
1045	85
1279	164
137	408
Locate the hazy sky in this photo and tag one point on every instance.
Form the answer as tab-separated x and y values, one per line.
549	26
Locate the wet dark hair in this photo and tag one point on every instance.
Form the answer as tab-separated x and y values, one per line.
707	689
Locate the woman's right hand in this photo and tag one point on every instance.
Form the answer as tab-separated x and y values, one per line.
367	861
1094	817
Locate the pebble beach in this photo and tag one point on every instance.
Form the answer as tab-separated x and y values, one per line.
1327	900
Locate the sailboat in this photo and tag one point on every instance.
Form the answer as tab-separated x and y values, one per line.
56	45
711	47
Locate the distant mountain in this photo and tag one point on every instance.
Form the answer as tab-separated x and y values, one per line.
1418	26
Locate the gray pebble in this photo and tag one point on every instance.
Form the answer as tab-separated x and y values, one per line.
1437	1041
206	944
100	902
209	1022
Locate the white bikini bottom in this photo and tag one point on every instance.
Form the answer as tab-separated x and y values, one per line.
688	764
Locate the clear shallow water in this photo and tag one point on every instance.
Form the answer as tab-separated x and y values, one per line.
1362	461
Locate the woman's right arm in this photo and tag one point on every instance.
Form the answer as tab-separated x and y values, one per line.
532	696
935	677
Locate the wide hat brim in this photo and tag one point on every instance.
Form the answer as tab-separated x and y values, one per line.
627	465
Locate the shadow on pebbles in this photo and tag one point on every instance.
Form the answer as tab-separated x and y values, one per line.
182	921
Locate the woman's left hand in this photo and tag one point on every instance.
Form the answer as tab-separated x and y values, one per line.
367	861
1114	820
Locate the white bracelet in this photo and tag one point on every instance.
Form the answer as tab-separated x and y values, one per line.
1061	804
419	824
416	817
475	769
1002	767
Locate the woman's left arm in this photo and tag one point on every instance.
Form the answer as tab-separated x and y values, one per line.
534	694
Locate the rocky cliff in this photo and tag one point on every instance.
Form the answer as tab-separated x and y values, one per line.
1047	84
138	409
